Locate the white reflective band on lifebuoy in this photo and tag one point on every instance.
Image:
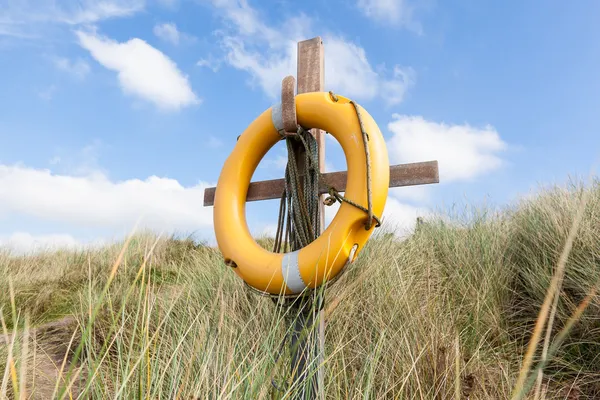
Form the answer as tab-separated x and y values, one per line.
291	272
277	118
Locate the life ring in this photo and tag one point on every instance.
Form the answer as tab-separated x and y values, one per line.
320	261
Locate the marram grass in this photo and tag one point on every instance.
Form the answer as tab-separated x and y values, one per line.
443	314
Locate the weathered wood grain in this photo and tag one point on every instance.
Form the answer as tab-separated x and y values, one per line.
421	173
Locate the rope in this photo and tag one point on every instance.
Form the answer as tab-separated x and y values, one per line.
368	157
335	195
298	222
299	205
298	216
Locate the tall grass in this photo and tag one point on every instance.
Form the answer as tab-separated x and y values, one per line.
446	313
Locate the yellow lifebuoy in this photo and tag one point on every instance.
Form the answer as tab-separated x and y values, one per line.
324	258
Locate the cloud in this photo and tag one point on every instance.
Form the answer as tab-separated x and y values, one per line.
90	11
94	201
30	19
401	218
349	72
143	71
464	152
269	53
395	88
268	230
275	164
414	194
266	69
394	12
167	32
8	29
22	243
78	68
15	13
210	62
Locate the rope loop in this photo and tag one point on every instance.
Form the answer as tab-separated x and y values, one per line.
333	96
329	201
334	196
299	221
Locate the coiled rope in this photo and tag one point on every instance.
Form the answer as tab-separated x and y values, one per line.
298	223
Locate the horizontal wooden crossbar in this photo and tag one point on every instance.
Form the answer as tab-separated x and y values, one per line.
400	175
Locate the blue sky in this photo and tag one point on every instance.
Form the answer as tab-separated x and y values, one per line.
112	110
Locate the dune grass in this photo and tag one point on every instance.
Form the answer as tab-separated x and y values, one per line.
444	314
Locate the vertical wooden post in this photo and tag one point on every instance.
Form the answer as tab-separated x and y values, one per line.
310	78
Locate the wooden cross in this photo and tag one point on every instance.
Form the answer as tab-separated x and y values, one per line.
310	76
400	175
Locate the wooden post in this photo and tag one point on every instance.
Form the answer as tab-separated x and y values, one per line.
310	78
308	338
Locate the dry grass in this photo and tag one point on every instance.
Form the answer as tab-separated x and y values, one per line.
447	313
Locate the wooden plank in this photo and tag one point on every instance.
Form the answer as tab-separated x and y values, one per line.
310	75
400	175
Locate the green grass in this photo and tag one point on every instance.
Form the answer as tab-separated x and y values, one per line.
450	310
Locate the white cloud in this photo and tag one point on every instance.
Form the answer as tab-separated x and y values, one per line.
167	32
89	11
276	164
248	21
14	30
415	194
269	53
266	69
78	68
395	88
94	201
268	230
349	72
21	243
67	12
142	70
463	152
396	12
30	19
401	218
210	62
